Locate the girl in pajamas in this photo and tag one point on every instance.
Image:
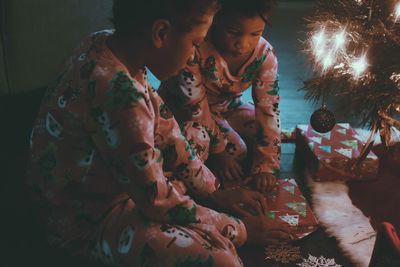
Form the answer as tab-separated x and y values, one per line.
234	57
109	166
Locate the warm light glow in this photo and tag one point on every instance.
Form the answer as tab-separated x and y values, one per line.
327	61
395	77
340	40
359	66
319	44
397	11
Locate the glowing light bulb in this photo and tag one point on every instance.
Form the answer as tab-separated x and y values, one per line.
327	61
397	12
340	40
359	66
319	44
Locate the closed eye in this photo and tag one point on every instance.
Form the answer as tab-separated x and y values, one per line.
233	32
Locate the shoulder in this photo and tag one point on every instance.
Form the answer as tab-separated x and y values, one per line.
266	51
206	52
264	46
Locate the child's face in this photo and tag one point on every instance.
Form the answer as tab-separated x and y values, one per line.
238	36
179	49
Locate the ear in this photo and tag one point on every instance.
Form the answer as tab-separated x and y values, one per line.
160	32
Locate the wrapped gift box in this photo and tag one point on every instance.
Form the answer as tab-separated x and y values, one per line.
333	155
287	204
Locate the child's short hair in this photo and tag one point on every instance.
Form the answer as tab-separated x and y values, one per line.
247	8
132	16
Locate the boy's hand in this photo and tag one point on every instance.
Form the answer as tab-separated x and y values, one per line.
263	231
226	167
241	201
263	181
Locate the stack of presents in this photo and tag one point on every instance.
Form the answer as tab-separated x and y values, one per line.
338	155
335	155
327	156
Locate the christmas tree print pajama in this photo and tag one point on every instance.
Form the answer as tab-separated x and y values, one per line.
206	92
111	171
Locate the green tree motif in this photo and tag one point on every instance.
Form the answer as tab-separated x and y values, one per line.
123	92
165	113
276	173
183	215
275	88
188	148
251	70
235	103
210	68
213	137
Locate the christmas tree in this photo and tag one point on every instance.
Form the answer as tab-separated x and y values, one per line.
354	47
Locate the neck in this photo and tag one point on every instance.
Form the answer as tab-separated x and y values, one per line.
131	52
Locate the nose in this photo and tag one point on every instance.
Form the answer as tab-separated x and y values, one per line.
241	45
191	57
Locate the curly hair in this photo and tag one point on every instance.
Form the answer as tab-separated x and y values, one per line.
247	8
132	16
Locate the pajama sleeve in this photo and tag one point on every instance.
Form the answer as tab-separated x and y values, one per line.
190	93
266	98
122	122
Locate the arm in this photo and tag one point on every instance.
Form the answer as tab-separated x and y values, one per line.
186	96
123	121
266	99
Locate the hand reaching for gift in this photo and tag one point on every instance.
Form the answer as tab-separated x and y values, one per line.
226	167
263	231
263	182
241	201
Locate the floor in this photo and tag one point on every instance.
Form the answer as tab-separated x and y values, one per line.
18	112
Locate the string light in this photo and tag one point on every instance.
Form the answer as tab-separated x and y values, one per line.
359	66
397	12
395	77
327	61
319	44
340	40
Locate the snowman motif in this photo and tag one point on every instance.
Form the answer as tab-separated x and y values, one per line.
179	238
142	156
54	128
188	85
87	159
125	240
82	57
102	252
68	96
198	139
231	148
196	111
230	232
109	132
